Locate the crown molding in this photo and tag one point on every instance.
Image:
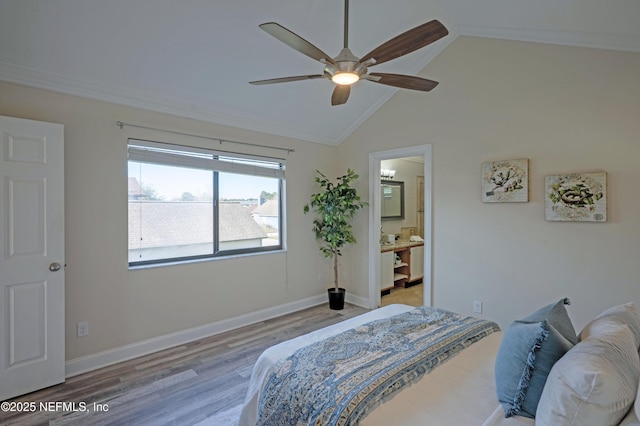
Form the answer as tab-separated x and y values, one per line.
146	101
621	42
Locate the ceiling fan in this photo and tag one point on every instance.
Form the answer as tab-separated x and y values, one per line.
346	68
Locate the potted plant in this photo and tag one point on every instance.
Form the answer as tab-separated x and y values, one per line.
335	205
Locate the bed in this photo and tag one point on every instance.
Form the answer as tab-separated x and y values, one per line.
457	388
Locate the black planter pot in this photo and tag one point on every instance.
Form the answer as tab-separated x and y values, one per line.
336	298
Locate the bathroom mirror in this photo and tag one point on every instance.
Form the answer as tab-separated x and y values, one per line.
392	199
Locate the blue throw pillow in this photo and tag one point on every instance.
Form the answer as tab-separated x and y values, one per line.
528	350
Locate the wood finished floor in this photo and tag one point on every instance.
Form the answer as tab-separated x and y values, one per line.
179	386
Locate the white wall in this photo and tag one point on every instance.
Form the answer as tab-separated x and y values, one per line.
566	109
124	307
407	171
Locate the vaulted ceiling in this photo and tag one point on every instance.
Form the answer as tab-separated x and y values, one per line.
194	58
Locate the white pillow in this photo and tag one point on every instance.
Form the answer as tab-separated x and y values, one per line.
630	419
623	314
594	383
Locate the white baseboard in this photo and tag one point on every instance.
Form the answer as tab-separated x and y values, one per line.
123	353
357	300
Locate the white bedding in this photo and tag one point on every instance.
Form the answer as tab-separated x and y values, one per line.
459	392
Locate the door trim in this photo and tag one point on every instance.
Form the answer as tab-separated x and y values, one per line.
375	222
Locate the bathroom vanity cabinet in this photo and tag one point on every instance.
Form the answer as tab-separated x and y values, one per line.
401	265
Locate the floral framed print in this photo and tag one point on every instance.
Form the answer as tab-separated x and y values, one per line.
576	197
505	181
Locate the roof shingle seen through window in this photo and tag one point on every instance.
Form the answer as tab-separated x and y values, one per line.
161	224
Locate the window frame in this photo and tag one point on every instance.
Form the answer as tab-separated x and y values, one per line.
168	154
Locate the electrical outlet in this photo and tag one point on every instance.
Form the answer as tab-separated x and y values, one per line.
83	329
477	306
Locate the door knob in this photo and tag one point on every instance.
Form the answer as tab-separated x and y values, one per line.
55	266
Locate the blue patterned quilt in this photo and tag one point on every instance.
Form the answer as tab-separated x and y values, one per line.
337	381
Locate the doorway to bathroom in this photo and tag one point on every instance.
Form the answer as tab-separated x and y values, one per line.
400	226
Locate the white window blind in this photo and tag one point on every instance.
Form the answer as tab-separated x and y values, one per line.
197	158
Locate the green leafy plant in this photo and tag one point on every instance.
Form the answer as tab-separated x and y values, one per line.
335	205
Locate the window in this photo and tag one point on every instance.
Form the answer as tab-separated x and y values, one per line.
191	203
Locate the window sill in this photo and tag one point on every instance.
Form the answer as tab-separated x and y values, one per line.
207	259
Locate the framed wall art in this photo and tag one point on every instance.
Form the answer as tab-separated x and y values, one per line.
576	197
505	181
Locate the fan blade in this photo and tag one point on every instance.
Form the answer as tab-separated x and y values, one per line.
287	79
340	94
293	40
404	81
407	42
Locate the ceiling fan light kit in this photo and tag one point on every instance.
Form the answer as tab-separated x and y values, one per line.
347	69
347	78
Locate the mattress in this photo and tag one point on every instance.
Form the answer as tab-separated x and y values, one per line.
460	391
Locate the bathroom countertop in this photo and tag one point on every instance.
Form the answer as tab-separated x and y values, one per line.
400	244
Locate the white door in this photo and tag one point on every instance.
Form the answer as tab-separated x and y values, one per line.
416	262
386	270
31	256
